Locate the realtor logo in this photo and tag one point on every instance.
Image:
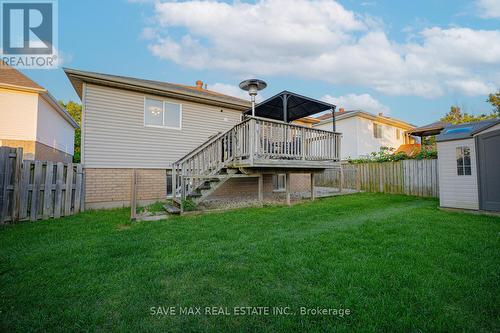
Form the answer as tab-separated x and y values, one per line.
29	33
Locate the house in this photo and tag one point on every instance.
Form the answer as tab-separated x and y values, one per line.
32	119
190	142
364	133
306	121
469	165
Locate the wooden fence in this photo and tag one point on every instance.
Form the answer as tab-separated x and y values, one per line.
33	190
411	177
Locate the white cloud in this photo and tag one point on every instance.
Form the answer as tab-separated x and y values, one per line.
324	41
235	91
363	102
488	8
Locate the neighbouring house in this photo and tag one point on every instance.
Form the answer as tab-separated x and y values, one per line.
469	165
192	143
364	133
307	121
30	118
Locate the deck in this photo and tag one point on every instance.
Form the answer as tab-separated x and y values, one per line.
256	146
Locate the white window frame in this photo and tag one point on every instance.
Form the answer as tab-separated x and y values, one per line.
460	153
276	182
163	103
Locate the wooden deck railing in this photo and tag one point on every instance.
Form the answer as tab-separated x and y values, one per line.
252	140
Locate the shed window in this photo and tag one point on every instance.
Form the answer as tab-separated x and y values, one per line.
158	113
377	131
463	161
279	182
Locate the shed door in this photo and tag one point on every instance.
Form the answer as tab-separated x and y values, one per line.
488	159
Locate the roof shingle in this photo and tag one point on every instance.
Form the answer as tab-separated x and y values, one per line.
11	76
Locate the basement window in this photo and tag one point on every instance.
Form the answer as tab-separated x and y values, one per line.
279	182
463	161
158	113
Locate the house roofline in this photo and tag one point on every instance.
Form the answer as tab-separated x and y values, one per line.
368	115
77	77
47	97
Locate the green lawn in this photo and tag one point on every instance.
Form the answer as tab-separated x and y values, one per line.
396	262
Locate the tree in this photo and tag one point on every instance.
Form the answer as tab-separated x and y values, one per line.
455	116
75	111
494	99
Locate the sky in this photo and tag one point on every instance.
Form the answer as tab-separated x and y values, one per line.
407	59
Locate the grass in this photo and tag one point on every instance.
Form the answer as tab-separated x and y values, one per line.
155	207
397	262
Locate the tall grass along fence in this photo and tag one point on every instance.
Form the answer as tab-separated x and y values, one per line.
33	190
411	177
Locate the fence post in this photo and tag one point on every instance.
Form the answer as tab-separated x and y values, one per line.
47	190
133	201
341	180
78	188
17	184
287	185
358	178
4	158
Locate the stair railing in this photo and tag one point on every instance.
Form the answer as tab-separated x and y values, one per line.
253	138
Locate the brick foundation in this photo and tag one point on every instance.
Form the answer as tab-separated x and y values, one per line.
34	150
111	188
247	188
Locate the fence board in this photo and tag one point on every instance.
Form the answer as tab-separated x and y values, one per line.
69	190
35	192
47	191
28	189
16	196
410	177
59	188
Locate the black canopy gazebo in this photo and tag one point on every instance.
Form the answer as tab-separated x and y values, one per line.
287	107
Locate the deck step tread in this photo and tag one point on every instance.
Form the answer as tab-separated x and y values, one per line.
172	209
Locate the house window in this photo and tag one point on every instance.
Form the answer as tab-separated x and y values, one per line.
279	182
463	161
377	131
398	134
158	113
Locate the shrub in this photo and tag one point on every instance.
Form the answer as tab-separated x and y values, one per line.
188	205
386	154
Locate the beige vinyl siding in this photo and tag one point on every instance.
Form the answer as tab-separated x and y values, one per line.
18	115
457	191
115	135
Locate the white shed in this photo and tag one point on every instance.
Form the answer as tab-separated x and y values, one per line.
469	165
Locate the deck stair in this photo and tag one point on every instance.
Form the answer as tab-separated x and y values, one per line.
251	145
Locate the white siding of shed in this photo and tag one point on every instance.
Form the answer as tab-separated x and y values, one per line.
457	191
114	135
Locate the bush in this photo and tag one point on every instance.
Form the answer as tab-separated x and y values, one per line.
387	154
188	205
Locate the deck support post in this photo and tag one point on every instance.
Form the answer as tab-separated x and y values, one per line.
174	181
313	193
341	181
261	188
287	186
